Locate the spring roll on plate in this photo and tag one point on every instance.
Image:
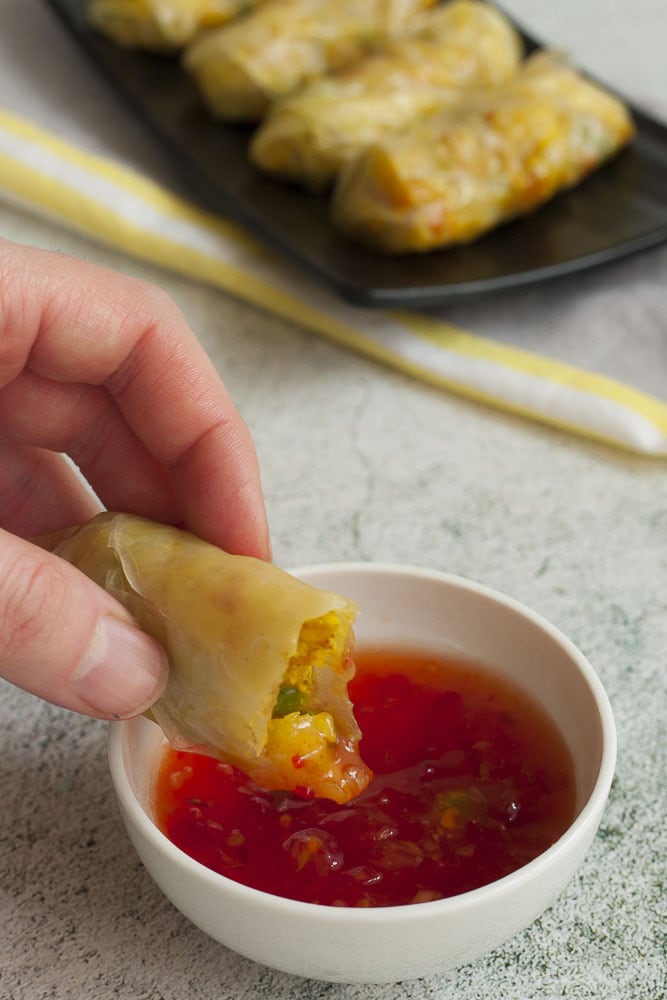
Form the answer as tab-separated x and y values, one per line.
240	68
306	138
453	176
160	25
259	660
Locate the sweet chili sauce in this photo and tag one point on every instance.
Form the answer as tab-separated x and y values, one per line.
471	781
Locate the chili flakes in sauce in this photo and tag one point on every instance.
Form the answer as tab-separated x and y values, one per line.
471	781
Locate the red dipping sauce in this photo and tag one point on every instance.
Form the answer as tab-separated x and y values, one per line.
471	781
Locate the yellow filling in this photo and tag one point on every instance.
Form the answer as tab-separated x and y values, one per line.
294	732
301	739
317	641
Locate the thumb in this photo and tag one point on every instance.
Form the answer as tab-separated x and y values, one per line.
66	640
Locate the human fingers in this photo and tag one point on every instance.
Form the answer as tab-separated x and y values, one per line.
84	422
40	491
67	641
70	321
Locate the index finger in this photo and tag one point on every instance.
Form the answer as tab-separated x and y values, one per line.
71	321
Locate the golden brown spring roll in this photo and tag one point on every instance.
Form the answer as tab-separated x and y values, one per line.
308	137
453	176
242	67
160	25
259	660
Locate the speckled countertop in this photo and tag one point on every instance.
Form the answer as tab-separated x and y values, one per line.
362	463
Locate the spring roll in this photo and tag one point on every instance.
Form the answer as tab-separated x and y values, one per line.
242	67
259	661
160	25
453	176
306	138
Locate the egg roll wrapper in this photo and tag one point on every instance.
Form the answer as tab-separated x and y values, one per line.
160	25
235	629
307	137
453	176
240	68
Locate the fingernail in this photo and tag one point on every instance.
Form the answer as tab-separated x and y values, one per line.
122	672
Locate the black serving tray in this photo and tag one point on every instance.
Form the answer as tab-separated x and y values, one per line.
619	210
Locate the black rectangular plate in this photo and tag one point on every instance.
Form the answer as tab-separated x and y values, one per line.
619	210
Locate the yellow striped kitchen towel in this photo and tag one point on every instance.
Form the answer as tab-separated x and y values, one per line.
114	203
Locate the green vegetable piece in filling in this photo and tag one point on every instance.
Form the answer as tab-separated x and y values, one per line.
290	699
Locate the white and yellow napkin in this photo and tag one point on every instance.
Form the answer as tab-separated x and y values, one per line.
588	354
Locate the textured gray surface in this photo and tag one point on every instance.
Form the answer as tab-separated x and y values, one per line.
361	463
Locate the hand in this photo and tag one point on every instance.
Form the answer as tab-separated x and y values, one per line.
103	369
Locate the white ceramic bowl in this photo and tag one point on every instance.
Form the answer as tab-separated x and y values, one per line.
424	610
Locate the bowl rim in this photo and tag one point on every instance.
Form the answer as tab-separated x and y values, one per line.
584	823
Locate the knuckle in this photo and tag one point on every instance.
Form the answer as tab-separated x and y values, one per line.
15	326
152	328
32	601
150	305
